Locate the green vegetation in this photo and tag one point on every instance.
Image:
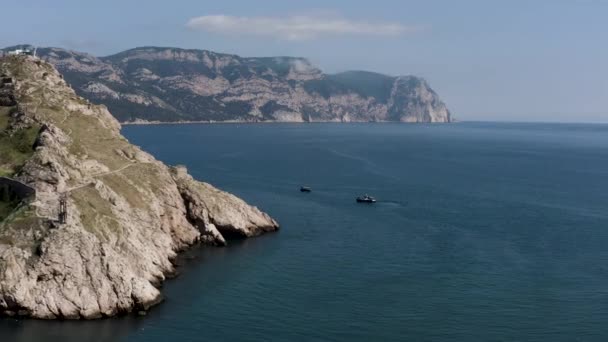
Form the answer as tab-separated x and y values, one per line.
98	144
271	107
17	215
20	221
23	140
20	215
145	175
9	204
280	65
15	149
367	84
122	186
6	208
96	213
5	114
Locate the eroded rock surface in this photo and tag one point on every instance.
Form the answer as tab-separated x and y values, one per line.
128	215
228	214
151	84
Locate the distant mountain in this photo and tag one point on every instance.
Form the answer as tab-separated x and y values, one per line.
171	84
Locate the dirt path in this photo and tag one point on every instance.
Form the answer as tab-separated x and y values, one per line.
93	177
103	174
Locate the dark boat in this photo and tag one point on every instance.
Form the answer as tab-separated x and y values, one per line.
366	199
305	189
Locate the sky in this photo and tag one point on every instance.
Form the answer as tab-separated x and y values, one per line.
489	60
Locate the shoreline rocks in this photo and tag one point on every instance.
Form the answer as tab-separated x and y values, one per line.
128	215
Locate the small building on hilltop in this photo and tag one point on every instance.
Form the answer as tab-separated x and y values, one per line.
22	52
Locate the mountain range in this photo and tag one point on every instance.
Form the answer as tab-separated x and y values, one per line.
159	84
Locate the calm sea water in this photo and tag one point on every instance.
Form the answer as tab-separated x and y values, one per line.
482	232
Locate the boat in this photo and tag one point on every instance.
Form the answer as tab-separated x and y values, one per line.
366	199
305	189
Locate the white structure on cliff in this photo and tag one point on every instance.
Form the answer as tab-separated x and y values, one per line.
21	52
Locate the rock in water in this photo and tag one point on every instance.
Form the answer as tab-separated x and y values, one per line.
228	214
106	219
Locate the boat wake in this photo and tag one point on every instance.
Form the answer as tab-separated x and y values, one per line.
390	203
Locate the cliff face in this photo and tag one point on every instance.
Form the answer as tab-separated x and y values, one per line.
169	84
107	218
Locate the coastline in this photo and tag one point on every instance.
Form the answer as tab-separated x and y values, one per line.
108	219
212	122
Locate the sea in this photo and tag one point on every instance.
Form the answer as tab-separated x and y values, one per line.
481	232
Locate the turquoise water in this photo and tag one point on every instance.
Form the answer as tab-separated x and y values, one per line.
482	232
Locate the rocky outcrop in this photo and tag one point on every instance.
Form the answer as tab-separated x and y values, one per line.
219	210
127	217
169	84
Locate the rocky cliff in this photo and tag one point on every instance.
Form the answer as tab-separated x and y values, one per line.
169	84
99	234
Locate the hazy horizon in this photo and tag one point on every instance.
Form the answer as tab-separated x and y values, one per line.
517	61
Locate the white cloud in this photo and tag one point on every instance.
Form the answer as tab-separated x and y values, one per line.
295	27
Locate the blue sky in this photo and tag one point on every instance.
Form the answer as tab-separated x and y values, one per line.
511	60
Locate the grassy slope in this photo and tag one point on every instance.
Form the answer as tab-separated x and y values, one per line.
15	148
89	140
366	84
18	221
